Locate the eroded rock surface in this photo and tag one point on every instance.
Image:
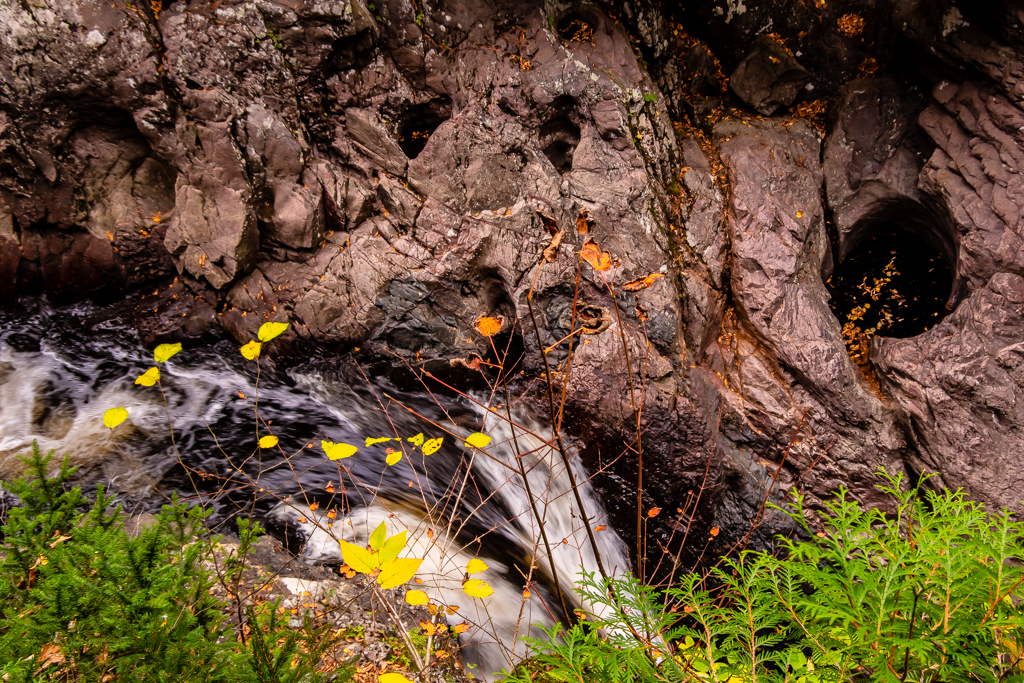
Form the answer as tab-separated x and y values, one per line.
382	179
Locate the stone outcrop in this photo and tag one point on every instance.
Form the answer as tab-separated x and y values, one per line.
383	178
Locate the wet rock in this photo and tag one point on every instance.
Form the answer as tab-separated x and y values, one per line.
873	154
373	140
960	388
383	184
769	78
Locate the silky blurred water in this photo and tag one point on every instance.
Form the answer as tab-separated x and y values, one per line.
196	435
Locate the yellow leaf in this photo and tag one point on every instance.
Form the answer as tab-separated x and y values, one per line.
370	440
270	330
488	327
416	440
114	417
478	440
393	457
392	678
165	351
377	537
268	441
415	597
149	377
451	609
592	254
397	572
337	451
432	445
392	547
251	351
360	559
475	588
476	566
460	628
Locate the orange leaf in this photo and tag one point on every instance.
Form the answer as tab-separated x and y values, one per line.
488	327
641	282
583	222
314	506
714	531
653	512
460	628
600	527
592	254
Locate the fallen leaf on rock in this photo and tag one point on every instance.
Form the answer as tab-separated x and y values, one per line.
583	222
641	282
551	251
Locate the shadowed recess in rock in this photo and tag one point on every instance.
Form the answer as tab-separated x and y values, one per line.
420	122
560	135
892	284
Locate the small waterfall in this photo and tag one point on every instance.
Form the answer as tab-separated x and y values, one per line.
60	369
500	621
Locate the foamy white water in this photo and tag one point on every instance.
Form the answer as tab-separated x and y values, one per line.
57	377
499	622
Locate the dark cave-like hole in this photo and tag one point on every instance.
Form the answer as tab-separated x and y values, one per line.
891	284
559	138
420	122
573	28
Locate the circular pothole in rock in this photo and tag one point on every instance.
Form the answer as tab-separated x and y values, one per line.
890	284
420	122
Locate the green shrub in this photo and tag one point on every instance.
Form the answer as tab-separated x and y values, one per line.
931	592
80	600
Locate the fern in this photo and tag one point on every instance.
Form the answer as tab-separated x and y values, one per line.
929	592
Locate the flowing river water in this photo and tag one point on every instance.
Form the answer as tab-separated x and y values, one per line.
195	435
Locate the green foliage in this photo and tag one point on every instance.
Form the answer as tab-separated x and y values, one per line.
650	97
81	600
930	592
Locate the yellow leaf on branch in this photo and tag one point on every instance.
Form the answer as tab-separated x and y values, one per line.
415	597
475	588
251	351
478	440
114	416
149	377
269	331
398	572
337	451
165	351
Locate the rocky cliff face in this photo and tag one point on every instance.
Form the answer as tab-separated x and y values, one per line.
382	175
